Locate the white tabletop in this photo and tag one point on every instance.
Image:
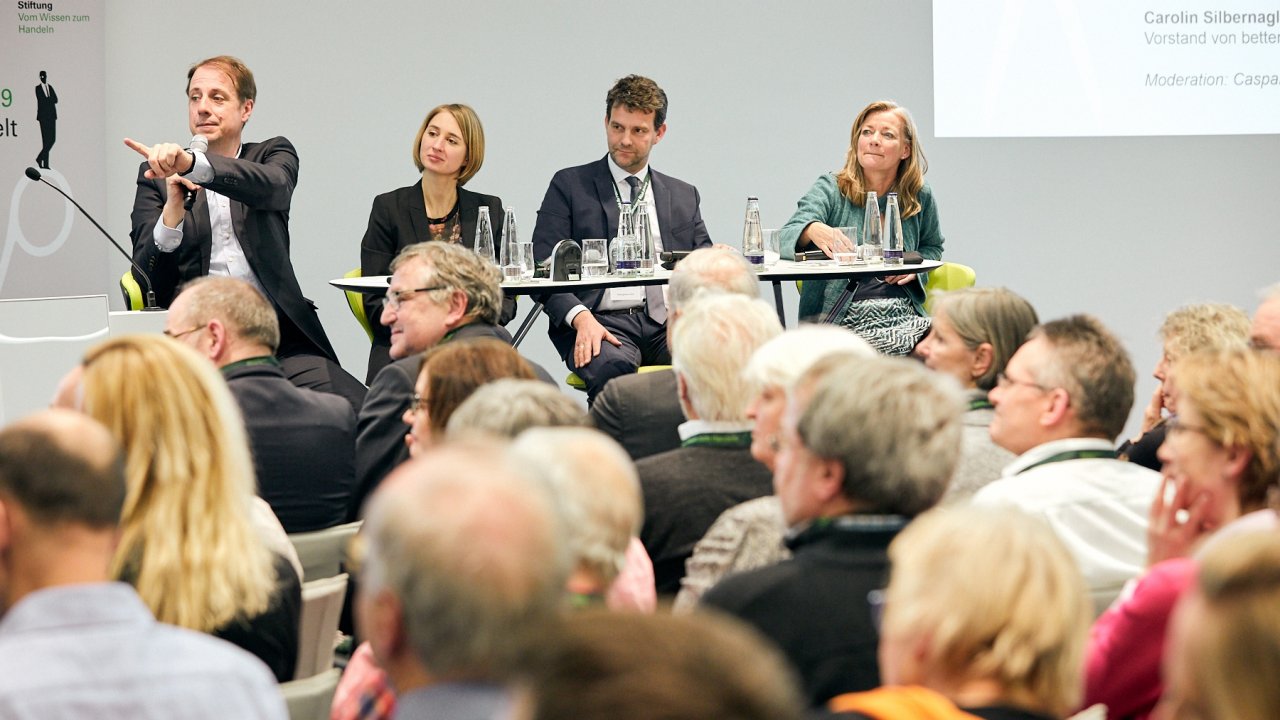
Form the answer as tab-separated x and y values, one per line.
782	270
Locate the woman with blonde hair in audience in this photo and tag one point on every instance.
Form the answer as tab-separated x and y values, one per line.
749	535
1206	327
450	372
974	333
985	616
188	540
1224	641
1221	462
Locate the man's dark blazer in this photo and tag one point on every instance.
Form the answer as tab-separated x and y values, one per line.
399	219
46	107
685	490
641	411
580	203
380	429
304	446
260	185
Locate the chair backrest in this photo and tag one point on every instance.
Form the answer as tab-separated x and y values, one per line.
951	276
132	291
318	627
310	699
355	301
321	551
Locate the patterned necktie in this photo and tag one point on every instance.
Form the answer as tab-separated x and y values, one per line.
634	182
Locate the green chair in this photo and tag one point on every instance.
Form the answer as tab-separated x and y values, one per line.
951	276
132	291
576	382
355	301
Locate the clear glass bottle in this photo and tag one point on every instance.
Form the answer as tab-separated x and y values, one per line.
644	235
872	244
892	232
625	251
752	239
484	235
509	258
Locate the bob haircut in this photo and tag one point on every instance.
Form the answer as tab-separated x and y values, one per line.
472	137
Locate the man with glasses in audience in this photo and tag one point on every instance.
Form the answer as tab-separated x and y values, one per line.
440	292
1059	405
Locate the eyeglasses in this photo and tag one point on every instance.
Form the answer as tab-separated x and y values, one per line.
176	336
1177	426
1004	382
395	298
419	403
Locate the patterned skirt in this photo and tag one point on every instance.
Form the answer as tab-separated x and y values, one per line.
890	325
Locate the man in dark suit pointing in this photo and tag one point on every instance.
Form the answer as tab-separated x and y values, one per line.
603	334
237	222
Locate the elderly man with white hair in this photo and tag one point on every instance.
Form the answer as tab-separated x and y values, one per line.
686	489
866	445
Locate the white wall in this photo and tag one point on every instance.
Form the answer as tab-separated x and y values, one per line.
762	95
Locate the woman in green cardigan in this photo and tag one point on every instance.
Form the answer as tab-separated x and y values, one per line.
884	156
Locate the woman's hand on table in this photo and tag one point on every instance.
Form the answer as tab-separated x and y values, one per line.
821	236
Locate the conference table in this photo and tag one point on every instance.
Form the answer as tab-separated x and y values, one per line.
779	272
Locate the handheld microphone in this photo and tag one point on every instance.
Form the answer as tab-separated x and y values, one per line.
201	143
34	174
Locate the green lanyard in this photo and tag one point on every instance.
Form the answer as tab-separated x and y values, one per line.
644	188
980	403
1073	455
725	440
251	362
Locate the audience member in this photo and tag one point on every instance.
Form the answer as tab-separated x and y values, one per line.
508	407
448	151
604	666
1224	645
601	334
201	549
750	534
72	643
599	496
642	410
1207	327
440	292
1264	331
466	558
303	441
1059	405
1007	647
1220	463
686	489
974	333
866	444
449	374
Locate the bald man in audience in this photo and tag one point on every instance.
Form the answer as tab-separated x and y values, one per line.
303	441
687	488
73	644
466	557
642	411
1059	405
1264	333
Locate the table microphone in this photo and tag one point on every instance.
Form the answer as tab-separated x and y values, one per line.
34	174
201	143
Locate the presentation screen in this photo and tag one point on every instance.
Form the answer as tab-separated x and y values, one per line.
1053	68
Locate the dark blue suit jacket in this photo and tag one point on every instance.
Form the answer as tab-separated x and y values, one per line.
580	203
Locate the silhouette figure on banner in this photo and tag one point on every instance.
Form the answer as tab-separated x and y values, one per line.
47	116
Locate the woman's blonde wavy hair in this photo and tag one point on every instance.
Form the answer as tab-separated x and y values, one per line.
853	184
187	542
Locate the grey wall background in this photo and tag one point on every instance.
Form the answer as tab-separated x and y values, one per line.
762	97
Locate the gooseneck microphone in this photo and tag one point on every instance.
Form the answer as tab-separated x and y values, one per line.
201	143
34	174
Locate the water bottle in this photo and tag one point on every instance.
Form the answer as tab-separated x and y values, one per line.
484	235
752	239
892	232
626	247
510	259
872	246
644	235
